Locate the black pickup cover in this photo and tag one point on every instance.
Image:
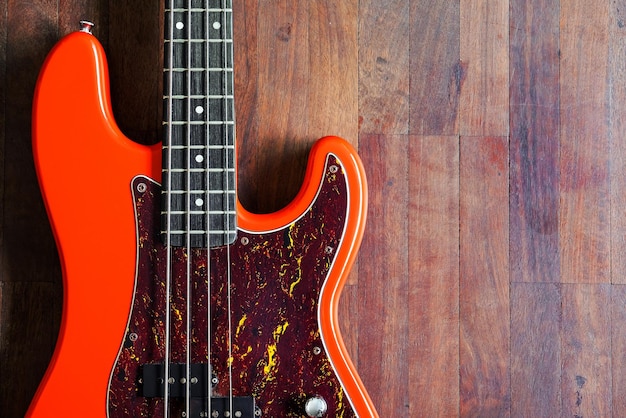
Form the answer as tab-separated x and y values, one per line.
153	387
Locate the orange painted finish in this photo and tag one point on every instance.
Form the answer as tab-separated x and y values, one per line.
85	166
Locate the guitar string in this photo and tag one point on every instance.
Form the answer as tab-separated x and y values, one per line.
226	77
168	240
208	217
188	222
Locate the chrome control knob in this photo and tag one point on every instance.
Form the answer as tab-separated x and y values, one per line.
316	407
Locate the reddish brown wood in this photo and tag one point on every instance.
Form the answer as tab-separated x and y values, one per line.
28	330
334	56
383	280
484	278
30	303
584	145
586	346
135	48
618	347
535	350
384	66
534	107
549	71
484	94
436	73
245	17
617	129
433	272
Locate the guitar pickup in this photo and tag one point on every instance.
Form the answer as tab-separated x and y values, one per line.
153	380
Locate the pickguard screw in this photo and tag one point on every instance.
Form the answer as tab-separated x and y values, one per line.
257	412
329	250
141	187
214	380
133	336
333	169
245	241
317	351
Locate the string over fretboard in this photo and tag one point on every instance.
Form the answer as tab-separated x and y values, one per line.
199	179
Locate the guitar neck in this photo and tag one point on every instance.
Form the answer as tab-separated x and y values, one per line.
199	180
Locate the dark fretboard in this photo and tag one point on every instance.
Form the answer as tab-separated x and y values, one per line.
198	200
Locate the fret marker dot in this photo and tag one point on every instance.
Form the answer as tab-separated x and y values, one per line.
199	202
180	25
199	109
217	25
199	158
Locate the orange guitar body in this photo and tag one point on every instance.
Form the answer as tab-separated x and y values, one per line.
85	166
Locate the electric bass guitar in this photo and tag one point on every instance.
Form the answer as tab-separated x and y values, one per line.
177	301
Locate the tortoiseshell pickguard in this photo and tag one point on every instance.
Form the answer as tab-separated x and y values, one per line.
276	278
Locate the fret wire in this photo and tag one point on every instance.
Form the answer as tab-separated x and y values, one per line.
201	212
198	41
197	96
199	70
203	125
201	122
201	192
203	232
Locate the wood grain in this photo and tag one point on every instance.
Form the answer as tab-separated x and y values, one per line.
484	95
135	51
484	278
436	72
534	141
618	348
586	347
535	350
28	334
584	145
383	281
384	66
617	145
490	281
433	273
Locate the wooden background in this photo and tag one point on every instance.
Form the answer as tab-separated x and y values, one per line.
491	281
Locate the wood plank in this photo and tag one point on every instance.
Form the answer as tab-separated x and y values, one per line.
348	322
534	142
586	346
28	333
434	276
383	282
618	347
26	232
484	278
135	55
436	72
484	54
3	103
71	12
535	350
245	18
584	166
617	128
333	74
282	105
384	34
